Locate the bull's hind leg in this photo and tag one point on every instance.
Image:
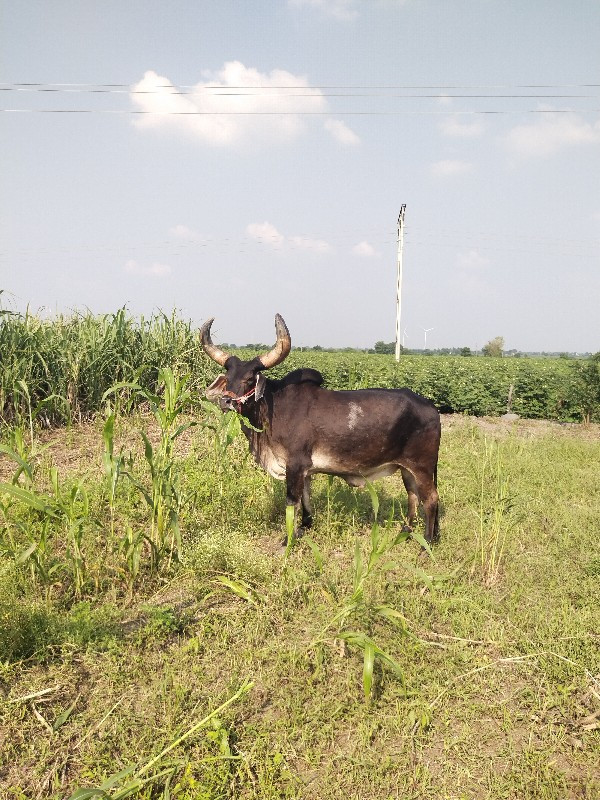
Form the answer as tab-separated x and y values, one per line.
428	495
410	485
307	511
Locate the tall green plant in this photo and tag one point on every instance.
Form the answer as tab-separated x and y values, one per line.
162	492
65	511
357	609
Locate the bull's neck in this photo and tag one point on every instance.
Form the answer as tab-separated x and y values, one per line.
253	413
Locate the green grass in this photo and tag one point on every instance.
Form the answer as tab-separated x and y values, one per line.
496	637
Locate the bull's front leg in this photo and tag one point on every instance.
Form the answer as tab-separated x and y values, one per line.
298	498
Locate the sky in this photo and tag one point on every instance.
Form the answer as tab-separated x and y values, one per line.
235	159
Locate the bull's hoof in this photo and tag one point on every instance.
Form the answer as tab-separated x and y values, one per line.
281	550
295	538
407	529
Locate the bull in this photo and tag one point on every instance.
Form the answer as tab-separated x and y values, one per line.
298	428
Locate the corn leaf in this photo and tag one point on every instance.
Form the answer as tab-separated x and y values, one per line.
35	501
318	556
239	588
368	664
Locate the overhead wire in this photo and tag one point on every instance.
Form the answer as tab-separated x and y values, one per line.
175	247
368	92
268	91
329	113
127	86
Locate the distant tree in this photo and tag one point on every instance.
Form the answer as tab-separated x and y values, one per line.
385	347
465	351
495	347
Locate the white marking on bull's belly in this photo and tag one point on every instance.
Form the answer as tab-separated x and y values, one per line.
354	415
324	462
381	472
272	464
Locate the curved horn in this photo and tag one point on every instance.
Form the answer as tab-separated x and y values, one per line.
218	355
282	347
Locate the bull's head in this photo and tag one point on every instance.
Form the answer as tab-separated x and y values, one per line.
242	379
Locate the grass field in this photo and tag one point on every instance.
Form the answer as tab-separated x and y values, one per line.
474	673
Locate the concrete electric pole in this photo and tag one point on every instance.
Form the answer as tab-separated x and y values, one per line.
399	278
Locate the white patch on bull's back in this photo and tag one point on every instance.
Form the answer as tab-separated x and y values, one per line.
354	414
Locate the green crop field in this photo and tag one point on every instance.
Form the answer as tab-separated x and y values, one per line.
58	370
155	641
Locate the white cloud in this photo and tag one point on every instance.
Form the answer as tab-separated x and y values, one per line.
264	232
306	243
267	233
448	168
185	233
550	133
454	126
235	105
339	9
341	132
365	250
472	260
155	270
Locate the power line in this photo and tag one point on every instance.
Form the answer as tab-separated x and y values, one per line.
483	241
514	92
127	86
242	91
329	113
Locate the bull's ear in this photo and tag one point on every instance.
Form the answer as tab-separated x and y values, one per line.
259	389
217	387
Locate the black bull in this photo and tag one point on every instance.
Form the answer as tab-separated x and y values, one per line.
304	429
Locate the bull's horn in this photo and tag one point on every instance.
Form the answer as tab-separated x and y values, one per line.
218	355
282	347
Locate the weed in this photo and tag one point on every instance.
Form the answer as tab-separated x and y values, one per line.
133	779
496	506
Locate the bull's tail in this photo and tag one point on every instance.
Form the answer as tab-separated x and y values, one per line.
436	522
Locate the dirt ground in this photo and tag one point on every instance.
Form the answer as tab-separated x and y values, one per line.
79	448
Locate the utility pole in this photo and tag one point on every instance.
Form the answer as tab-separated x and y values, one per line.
399	278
